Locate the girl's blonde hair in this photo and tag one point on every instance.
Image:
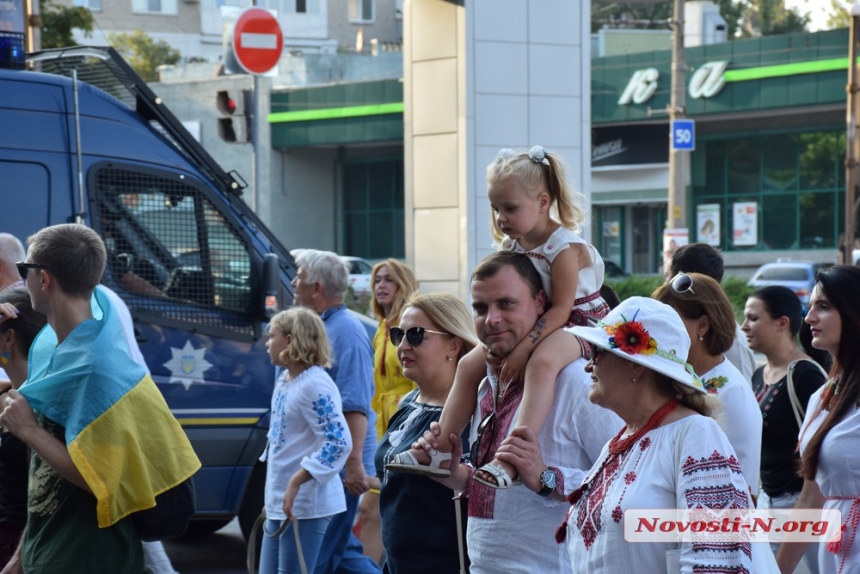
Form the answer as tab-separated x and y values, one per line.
538	170
308	340
406	286
449	314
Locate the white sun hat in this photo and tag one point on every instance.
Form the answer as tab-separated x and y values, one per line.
646	332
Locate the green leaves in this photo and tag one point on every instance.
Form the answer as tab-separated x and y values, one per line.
143	53
59	21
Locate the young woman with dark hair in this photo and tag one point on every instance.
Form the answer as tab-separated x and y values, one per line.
773	317
830	435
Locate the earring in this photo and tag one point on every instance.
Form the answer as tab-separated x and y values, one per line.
447	358
4	357
634	380
700	337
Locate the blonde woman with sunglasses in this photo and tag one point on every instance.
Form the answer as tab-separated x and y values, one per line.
710	322
436	331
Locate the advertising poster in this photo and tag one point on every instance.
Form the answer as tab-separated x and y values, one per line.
708	224
673	238
745	223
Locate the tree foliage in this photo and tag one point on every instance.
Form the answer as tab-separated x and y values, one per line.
59	21
143	53
840	15
744	18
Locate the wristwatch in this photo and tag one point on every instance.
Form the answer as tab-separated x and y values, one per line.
548	481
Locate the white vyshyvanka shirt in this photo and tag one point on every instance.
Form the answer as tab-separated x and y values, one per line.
307	430
838	477
683	464
740	417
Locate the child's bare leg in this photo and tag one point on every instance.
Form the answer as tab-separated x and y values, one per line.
553	354
460	405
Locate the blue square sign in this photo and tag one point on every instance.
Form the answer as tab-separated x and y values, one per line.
683	135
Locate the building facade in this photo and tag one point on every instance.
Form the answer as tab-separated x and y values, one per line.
767	175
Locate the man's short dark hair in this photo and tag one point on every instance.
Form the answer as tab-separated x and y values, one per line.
495	262
74	254
698	258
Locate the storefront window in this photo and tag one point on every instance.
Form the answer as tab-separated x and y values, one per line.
795	180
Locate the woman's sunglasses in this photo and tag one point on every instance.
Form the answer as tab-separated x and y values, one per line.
414	335
682	283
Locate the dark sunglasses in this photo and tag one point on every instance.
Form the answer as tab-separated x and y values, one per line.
414	335
682	283
475	449
23	268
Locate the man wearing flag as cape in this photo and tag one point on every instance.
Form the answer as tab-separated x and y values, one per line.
103	440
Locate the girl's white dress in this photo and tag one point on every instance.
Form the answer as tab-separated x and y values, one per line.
307	430
838	477
588	304
684	464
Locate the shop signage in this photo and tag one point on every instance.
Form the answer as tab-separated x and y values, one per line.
706	82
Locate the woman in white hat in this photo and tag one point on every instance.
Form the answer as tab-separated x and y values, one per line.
669	455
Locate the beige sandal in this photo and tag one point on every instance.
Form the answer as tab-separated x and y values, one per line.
406	463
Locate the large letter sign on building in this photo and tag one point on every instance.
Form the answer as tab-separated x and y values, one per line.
641	87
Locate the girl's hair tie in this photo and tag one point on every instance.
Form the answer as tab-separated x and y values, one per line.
538	155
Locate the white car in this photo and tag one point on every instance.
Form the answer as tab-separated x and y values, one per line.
359	275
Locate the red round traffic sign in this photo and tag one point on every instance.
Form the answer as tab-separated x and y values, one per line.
257	40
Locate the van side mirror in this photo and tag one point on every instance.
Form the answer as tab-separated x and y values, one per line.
271	284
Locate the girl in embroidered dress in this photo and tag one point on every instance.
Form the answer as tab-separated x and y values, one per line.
830	435
669	455
309	442
710	322
534	211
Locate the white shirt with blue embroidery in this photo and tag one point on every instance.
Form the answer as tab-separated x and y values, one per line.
307	430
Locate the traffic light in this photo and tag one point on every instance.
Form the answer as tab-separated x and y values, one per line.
235	122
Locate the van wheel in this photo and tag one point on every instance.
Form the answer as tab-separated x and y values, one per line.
252	503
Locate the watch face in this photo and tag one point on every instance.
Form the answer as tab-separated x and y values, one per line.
549	479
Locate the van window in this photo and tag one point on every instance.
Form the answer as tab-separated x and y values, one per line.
166	241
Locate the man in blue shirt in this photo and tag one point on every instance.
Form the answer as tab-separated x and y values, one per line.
321	284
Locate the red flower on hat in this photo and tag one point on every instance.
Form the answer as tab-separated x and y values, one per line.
632	338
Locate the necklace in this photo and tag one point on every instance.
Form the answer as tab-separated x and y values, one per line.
618	445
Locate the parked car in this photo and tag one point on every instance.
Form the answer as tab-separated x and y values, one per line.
359	275
799	276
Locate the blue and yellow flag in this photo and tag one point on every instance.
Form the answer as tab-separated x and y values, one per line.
120	433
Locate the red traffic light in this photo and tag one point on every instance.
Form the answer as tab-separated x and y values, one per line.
225	103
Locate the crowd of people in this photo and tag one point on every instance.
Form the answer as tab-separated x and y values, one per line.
515	436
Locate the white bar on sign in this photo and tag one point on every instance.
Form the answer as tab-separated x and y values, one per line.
263	41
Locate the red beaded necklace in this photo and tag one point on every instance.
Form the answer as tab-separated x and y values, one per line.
618	445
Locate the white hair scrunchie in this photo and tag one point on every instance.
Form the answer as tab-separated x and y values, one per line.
504	154
538	155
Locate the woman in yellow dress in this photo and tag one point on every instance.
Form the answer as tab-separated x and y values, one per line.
392	283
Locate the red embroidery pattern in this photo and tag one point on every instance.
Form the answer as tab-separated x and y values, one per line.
482	498
588	518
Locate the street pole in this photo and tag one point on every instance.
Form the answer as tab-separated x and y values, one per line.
852	143
678	160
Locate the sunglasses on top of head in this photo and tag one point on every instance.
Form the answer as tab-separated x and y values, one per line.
414	335
682	283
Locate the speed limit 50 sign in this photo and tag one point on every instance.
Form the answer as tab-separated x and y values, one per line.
683	135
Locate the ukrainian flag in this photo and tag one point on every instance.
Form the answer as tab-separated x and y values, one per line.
120	433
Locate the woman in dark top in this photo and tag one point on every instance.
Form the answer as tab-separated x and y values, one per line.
436	331
772	318
19	325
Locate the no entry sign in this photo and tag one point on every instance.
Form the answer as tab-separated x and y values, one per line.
257	41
